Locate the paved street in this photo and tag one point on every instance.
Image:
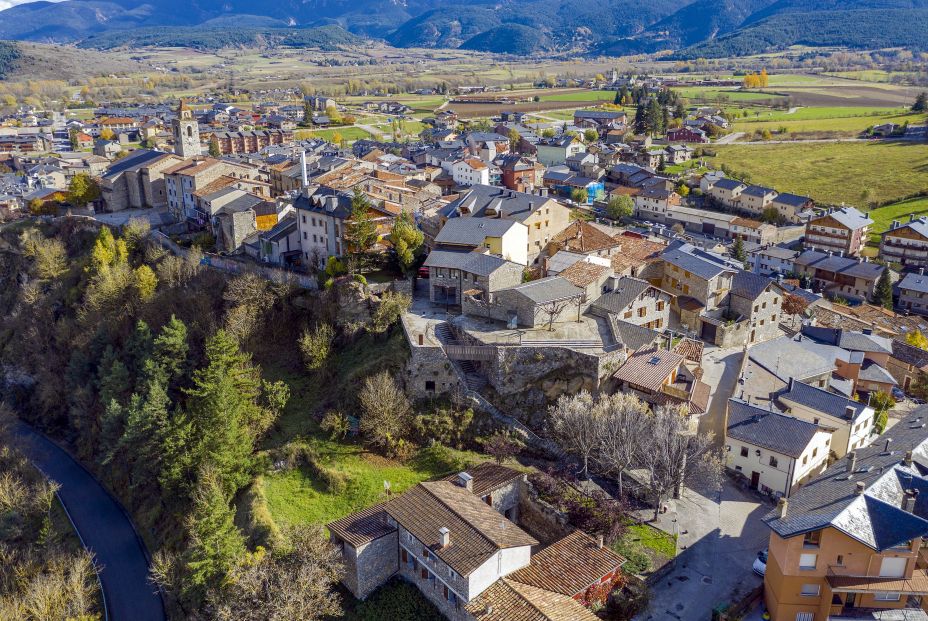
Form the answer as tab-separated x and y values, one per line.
720	371
104	529
720	536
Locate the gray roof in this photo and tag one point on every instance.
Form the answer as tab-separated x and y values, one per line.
778	252
771	430
749	285
598	114
548	289
849	217
914	281
849	340
626	291
134	160
242	203
686	257
758	190
634	337
510	205
919	225
872	372
842	265
793	200
472	231
563	259
728	184
787	358
470	262
823	401
286	226
875	517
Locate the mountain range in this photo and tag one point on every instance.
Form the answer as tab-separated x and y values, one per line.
692	28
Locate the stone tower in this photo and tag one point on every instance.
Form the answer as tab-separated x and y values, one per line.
186	132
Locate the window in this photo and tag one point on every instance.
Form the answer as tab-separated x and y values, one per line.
887	597
809	590
815	451
805	459
660	306
807	561
773	461
642	311
893	567
744	451
840	560
628	315
813	539
404	555
425	553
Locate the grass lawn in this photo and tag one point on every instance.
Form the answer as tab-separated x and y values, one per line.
850	172
883	216
581	96
654	539
296	496
348	133
646	548
819	112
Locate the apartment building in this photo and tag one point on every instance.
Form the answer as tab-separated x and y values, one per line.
186	181
840	231
848	545
913	292
838	276
850	422
906	244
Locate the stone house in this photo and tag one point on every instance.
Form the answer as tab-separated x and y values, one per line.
535	303
189	177
906	244
505	238
456	541
906	364
636	302
837	276
454	272
841	231
137	180
663	377
773	451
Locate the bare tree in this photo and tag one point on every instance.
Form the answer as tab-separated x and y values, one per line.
552	310
674	456
385	411
575	424
502	446
624	430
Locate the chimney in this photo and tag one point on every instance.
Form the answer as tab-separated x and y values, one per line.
466	481
852	461
908	500
908	458
599	542
886	445
782	506
895	225
305	176
444	536
859	488
849	411
921	271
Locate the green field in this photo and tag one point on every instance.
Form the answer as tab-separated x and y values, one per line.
850	172
710	93
823	112
348	133
848	125
883	216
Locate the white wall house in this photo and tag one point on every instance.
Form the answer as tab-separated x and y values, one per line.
470	171
850	421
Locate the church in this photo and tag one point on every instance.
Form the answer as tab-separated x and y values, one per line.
186	132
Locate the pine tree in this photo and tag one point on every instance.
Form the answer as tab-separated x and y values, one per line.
641	121
737	250
884	290
618	98
215	542
921	102
360	230
169	354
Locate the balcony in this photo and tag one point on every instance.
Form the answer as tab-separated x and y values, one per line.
911	612
841	582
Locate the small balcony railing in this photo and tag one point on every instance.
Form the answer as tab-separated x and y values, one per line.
843	581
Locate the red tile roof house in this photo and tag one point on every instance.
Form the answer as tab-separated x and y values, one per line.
457	541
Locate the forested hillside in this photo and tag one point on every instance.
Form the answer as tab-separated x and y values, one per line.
9	54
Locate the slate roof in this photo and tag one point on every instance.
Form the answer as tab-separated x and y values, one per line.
135	160
284	227
919	225
728	184
477	531
749	285
510	204
849	340
362	527
872	372
471	262
569	566
488	477
914	281
626	291
563	259
823	401
685	258
793	200
758	190
778	252
633	336
875	517
848	217
771	430
598	114
787	357
472	231
317	202
910	354
842	265
548	290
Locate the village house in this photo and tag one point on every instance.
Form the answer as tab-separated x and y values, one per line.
505	238
850	422
837	276
458	542
186	181
847	545
470	171
913	292
637	302
866	364
841	231
252	141
727	191
773	451
687	134
486	146
906	244
600	120
792	208
520	173
662	377
773	260
137	180
755	199
281	244
544	217
556	150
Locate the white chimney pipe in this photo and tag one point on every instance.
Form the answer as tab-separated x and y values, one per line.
444	536
305	176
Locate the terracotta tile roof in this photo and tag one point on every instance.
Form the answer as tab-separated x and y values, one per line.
582	273
747	222
641	249
582	237
506	600
690	349
649	368
362	527
622	264
569	566
475	163
477	530
215	185
488	477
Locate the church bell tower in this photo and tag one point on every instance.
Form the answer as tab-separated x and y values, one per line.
186	132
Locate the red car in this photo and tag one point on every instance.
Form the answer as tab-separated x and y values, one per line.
423	272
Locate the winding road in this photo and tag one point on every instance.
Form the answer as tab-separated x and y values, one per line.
104	529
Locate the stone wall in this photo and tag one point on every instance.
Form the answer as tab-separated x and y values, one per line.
433	591
429	364
540	519
369	566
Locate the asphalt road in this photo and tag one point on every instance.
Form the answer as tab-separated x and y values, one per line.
103	527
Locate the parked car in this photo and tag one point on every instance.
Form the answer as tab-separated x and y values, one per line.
760	563
897	394
423	272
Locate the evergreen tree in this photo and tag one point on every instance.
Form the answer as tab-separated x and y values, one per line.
921	102
214	150
406	239
641	121
360	229
618	98
215	542
679	111
653	117
737	250
138	349
884	290
168	361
